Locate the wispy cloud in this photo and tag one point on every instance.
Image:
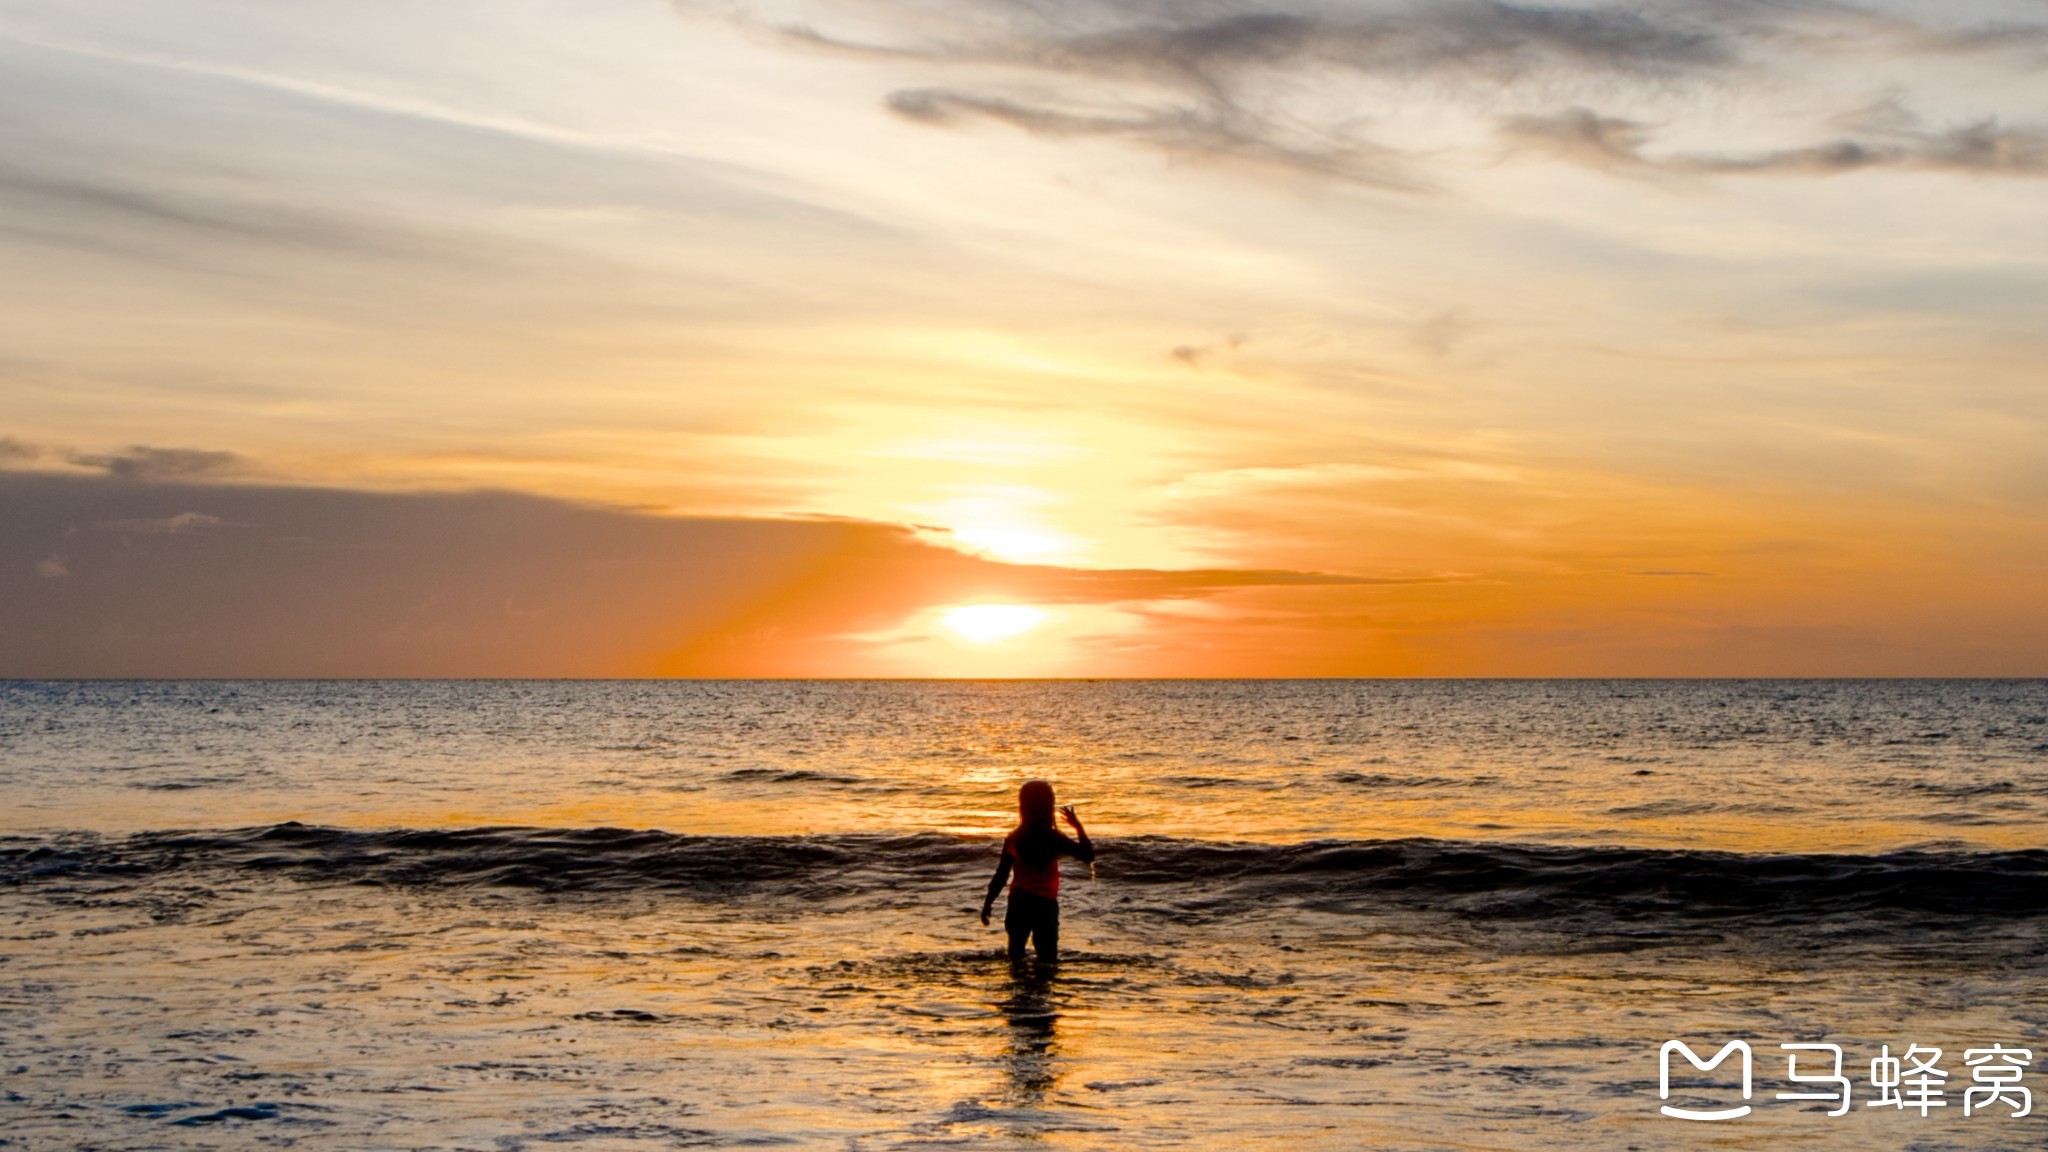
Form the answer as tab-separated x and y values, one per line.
1192	81
1215	130
1198	355
145	463
1984	148
14	451
1617	144
101	200
1049	584
165	525
1496	42
1581	136
1214	46
1291	88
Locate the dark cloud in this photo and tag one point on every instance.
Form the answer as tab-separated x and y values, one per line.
1199	80
107	576
1831	158
14	451
1889	137
1210	46
1197	355
1985	147
1210	62
1496	42
142	462
1581	136
1202	67
1217	130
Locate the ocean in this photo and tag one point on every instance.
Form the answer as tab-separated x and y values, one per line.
1325	915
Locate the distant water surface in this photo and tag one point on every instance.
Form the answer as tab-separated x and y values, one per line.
1750	765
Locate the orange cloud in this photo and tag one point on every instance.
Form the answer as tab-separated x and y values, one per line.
222	580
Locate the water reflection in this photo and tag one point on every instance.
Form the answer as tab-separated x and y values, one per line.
1754	766
1031	1054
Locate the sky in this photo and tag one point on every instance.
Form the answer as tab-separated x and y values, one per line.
1023	338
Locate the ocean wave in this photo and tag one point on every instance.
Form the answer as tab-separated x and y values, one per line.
1467	877
1394	780
791	776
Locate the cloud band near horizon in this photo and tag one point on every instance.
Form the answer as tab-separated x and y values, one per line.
121	575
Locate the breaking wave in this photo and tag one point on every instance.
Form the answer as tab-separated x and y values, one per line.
1501	880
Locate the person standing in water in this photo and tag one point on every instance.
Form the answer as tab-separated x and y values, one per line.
1031	853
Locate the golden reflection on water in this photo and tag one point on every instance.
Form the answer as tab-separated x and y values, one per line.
1109	812
1741	767
1112	814
1031	1057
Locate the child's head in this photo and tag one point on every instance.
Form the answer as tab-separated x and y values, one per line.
1034	805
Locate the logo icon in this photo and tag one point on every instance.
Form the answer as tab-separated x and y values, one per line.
1691	1057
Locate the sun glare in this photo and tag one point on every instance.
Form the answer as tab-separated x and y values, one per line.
1015	545
988	623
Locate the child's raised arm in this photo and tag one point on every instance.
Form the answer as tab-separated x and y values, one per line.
995	886
1085	848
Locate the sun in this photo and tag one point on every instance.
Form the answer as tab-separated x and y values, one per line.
988	623
1015	545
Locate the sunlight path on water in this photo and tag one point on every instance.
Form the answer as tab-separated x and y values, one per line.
1743	765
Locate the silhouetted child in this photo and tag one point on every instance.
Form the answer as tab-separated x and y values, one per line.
1031	852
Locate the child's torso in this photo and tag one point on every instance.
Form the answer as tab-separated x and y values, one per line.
1043	880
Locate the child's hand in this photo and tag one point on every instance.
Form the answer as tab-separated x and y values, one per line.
1073	821
984	915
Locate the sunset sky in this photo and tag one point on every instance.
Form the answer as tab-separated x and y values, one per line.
994	338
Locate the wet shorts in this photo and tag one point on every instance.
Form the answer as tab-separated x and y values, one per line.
1033	918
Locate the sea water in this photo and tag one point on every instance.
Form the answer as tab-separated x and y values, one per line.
1327	914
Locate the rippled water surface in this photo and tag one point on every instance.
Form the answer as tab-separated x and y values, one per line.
1327	915
1757	765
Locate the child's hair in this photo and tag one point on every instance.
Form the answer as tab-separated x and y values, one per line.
1037	840
1034	806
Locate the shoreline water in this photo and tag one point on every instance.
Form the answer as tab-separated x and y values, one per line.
366	991
1306	943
